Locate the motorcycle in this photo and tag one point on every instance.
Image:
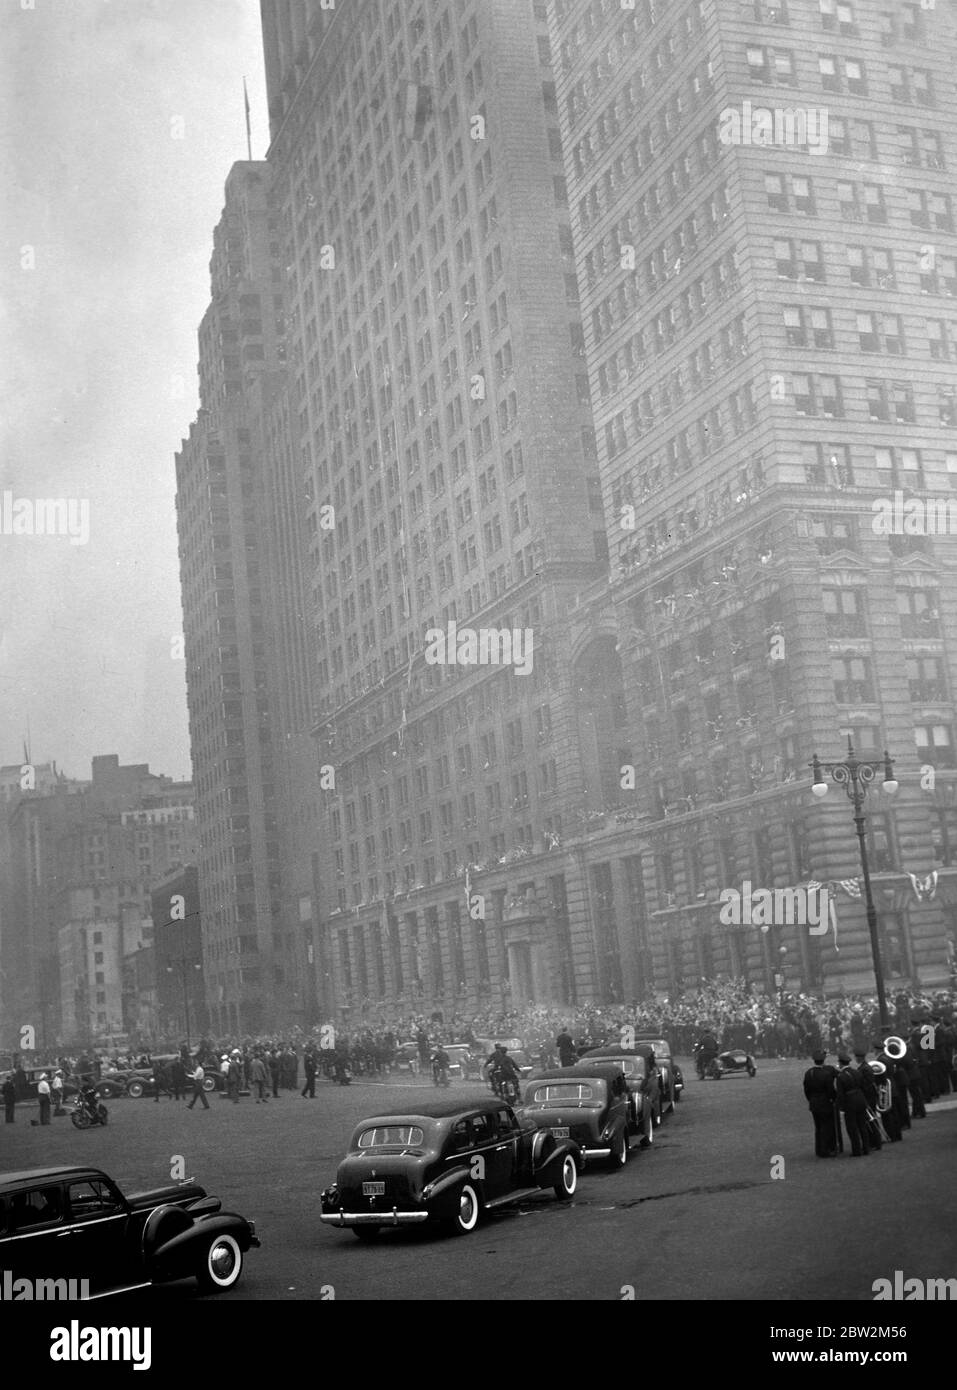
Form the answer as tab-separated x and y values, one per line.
86	1113
704	1062
734	1060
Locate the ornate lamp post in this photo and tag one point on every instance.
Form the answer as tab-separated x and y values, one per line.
183	964
855	775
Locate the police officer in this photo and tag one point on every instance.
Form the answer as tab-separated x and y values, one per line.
9	1092
851	1100
43	1096
821	1092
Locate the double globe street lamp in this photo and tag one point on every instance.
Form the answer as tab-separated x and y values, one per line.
855	775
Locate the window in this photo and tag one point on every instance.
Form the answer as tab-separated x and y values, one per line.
91	1199
844	612
935	744
918	612
925	679
852	680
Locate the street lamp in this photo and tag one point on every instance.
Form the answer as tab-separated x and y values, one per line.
855	775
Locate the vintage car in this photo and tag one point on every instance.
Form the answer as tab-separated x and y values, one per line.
407	1058
117	1243
27	1086
641	1076
588	1103
463	1065
448	1163
672	1082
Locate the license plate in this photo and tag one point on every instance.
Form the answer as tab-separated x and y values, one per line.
560	1131
373	1189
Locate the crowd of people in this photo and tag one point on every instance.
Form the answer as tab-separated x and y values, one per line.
783	1025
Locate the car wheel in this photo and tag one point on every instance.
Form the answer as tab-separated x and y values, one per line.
619	1154
106	1090
367	1233
567	1180
209	1083
752	1069
80	1119
468	1213
222	1263
135	1089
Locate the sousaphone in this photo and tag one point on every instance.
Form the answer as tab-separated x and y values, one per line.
895	1047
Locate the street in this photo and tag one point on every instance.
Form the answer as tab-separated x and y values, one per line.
699	1216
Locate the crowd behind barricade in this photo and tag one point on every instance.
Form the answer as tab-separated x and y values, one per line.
380	1040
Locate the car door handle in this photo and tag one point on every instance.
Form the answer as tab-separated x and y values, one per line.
61	1235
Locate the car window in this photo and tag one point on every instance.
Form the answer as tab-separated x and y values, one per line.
382	1136
482	1131
460	1138
29	1210
560	1092
505	1124
91	1198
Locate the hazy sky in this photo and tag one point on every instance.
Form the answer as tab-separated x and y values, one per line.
120	121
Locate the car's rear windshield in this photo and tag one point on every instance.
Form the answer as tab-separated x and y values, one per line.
404	1136
631	1066
567	1093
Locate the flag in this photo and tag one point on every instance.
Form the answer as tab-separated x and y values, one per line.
851	887
925	889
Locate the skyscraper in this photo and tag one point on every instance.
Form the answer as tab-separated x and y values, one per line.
765	233
448	474
223	502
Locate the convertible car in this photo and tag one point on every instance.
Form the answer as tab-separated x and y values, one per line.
446	1163
117	1243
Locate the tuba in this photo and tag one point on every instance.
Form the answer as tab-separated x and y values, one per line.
895	1047
882	1083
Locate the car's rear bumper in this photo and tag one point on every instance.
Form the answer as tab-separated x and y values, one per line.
591	1152
374	1218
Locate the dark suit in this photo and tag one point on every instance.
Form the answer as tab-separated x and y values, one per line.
819	1088
851	1100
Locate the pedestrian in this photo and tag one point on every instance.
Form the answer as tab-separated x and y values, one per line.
851	1101
821	1092
275	1071
43	1096
869	1087
159	1081
914	1087
199	1093
177	1079
56	1088
309	1066
258	1079
9	1092
233	1076
566	1049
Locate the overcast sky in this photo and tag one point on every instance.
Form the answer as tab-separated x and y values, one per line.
98	350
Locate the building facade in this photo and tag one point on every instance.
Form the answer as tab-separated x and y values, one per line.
764	227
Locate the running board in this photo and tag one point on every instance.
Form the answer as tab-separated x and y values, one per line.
517	1196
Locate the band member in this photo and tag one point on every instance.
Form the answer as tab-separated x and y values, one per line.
852	1102
914	1087
869	1087
885	1103
898	1118
821	1093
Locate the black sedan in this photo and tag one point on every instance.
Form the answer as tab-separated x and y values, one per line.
588	1103
447	1163
117	1243
643	1081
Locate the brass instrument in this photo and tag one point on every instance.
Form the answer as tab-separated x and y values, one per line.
882	1083
895	1047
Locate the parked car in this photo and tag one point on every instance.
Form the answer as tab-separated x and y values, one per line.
113	1083
27	1090
140	1080
588	1103
672	1081
116	1242
447	1163
407	1058
641	1075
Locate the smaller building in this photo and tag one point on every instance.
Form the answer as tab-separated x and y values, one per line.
181	1013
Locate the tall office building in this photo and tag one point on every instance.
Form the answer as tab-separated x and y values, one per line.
764	227
223	501
440	416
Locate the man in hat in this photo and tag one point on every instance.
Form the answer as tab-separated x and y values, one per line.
898	1118
851	1100
820	1090
43	1096
911	1065
9	1092
234	1073
56	1088
868	1082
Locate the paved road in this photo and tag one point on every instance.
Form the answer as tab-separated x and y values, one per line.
699	1216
